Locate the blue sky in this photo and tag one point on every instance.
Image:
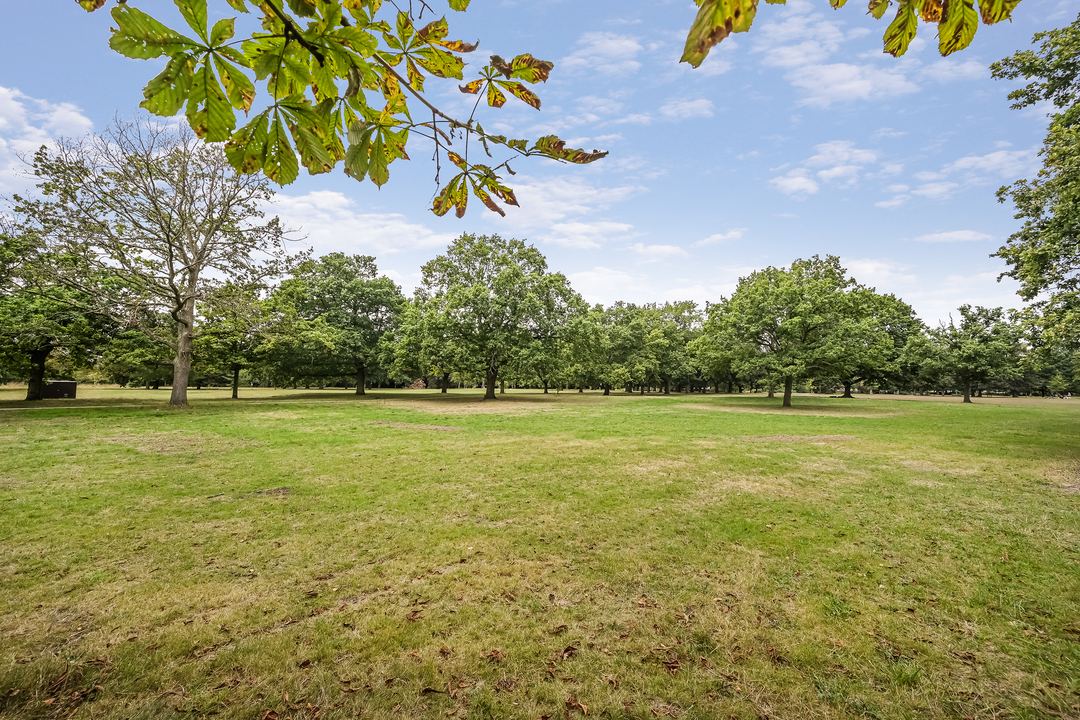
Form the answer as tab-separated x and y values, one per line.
797	138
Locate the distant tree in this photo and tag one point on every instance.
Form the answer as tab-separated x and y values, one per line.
486	297
877	329
38	318
140	218
232	320
134	357
788	323
358	305
983	345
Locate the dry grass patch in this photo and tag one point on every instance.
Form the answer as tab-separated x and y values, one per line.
457	405
414	426
815	411
815	439
179	442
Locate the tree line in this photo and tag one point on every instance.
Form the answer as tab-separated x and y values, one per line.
489	313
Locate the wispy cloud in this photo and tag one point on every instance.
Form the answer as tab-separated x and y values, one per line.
954	236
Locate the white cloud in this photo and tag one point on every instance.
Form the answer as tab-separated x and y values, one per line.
331	222
898	188
843	82
927	176
605	53
892	203
954	236
684	109
840	152
546	202
889	133
936	191
727	236
605	285
882	274
656	253
27	123
587	235
795	183
1004	164
797	40
950	69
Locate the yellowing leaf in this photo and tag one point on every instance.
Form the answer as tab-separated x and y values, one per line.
458	5
194	12
280	164
958	26
932	10
91	5
526	67
902	29
994	11
223	30
495	98
877	8
715	20
238	86
166	93
458	45
208	110
553	147
473	87
456	159
141	37
522	93
246	149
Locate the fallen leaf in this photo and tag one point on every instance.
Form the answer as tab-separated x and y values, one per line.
558	629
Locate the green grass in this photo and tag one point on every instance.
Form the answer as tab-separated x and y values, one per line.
408	554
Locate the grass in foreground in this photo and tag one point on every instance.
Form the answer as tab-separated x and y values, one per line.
415	555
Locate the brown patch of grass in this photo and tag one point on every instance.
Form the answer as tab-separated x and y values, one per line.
937	467
656	467
179	442
816	411
816	439
457	405
414	426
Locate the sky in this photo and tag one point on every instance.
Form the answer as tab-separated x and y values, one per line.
795	139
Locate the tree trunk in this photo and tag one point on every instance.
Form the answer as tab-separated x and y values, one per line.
502	387
490	379
545	387
607	389
361	378
847	391
36	384
771	393
235	381
445	383
185	346
967	392
667	387
731	387
788	381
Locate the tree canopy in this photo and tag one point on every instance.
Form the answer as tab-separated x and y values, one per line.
1044	255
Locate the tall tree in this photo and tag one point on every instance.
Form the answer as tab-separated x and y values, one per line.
139	217
878	328
983	345
788	323
489	296
1044	255
38	318
348	294
232	321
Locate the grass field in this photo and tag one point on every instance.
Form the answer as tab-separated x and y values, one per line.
411	555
